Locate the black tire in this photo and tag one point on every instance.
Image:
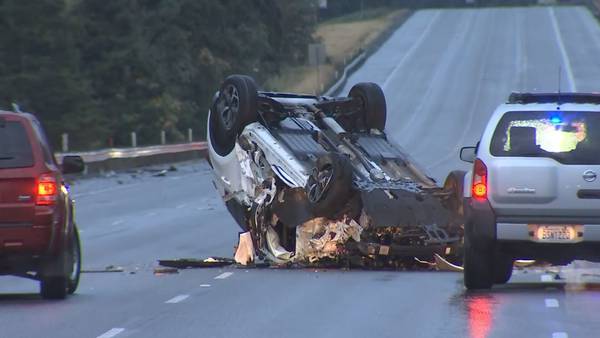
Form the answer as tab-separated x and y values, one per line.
61	274
478	271
503	268
329	187
234	107
53	287
454	184
74	276
373	112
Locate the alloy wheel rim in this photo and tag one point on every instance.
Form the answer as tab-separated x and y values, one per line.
319	185
76	258
230	105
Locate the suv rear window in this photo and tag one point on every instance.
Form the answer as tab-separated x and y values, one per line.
15	149
567	136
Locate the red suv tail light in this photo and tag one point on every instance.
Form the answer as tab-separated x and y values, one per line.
479	187
46	190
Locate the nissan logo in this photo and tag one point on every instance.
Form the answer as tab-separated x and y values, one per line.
589	176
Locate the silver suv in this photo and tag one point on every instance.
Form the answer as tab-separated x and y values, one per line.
533	191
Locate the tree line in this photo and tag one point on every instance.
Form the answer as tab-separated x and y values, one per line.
99	69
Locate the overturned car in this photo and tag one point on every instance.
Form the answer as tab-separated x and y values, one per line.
313	178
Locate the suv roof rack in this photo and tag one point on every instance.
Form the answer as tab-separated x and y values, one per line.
525	98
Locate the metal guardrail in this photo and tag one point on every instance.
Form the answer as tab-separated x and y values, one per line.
121	153
361	57
115	159
341	82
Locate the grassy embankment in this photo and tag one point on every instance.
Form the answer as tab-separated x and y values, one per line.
344	38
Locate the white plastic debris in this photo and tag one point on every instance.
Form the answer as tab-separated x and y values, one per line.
320	237
244	254
443	265
275	247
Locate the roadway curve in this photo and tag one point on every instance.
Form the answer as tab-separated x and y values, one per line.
443	73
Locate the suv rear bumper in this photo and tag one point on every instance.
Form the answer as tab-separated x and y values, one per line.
555	253
520	232
486	231
45	234
19	264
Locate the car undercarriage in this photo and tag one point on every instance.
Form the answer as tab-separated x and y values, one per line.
313	179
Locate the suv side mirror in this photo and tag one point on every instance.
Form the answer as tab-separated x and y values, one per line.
468	154
72	164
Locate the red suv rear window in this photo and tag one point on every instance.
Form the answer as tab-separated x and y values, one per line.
15	148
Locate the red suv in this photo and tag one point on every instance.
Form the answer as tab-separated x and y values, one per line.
38	235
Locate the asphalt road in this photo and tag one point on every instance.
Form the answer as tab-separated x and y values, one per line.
443	72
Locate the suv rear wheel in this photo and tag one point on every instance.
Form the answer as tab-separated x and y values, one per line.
503	268
61	275
478	272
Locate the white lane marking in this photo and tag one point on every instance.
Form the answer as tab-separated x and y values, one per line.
150	214
117	222
411	50
563	52
224	275
560	335
181	206
177	299
546	278
551	302
111	333
204	285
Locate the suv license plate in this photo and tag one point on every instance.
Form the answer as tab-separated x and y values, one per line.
556	233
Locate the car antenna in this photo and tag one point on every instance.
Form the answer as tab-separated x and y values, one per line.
559	73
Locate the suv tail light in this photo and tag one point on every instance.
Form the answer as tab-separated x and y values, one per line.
479	188
46	190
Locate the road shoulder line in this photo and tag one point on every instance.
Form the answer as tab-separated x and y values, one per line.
111	333
563	52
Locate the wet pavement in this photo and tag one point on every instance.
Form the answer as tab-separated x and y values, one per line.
443	72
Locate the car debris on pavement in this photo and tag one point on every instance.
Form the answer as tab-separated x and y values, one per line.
160	271
110	268
184	263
